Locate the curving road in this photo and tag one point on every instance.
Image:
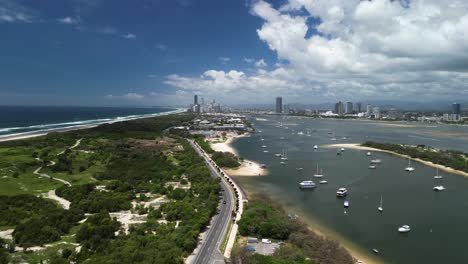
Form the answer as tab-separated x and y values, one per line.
209	251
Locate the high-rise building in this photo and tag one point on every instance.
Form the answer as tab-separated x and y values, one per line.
279	105
286	109
339	108
368	110
195	99
357	107
376	112
456	112
349	107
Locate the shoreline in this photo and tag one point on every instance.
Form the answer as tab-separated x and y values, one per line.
427	163
356	252
248	168
39	133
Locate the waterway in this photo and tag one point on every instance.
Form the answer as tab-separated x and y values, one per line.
438	220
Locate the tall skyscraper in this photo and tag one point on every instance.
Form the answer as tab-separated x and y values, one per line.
195	99
368	110
279	105
358	107
349	107
339	108
456	112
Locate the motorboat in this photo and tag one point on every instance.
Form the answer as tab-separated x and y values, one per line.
315	147
380	208
375	161
342	192
346	204
323	182
404	229
439	188
282	163
318	173
437	176
369	154
300	133
409	168
265	151
376	251
262	139
342	149
264	146
372	167
307	185
278	155
299	169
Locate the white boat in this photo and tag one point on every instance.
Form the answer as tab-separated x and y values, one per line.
342	149
264	146
369	154
262	139
346	204
437	174
375	161
282	163
439	188
265	151
323	182
409	168
281	137
307	185
300	133
333	139
278	155
380	208
404	229
376	251
299	169
372	167
315	147
318	173
284	156
342	192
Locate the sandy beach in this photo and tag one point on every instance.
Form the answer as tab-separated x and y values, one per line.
428	163
248	167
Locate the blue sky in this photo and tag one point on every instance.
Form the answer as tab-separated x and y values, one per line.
161	52
119	47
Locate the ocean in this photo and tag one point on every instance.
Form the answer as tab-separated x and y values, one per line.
23	120
437	219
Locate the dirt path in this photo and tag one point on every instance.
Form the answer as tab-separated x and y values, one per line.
65	203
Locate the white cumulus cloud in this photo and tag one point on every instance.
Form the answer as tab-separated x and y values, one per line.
378	49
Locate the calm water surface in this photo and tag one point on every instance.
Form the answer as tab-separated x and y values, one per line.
439	221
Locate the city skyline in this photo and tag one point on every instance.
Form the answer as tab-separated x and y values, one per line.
164	51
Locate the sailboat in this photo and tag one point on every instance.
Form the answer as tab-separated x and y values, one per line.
409	168
437	174
285	155
380	208
318	174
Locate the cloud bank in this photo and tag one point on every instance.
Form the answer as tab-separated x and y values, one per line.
350	49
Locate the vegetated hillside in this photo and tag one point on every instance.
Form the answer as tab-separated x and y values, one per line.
223	159
450	158
114	165
263	218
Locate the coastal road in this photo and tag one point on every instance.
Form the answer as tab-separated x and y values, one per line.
209	251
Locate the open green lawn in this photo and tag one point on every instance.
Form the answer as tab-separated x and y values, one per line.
26	183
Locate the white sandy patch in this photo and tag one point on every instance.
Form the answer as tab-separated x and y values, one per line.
7	234
51	195
247	168
428	163
128	218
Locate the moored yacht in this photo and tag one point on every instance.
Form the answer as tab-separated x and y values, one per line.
369	154
409	168
346	204
372	167
342	149
307	185
315	147
439	188
318	173
323	182
404	229
437	174
375	161
278	155
342	192
299	169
